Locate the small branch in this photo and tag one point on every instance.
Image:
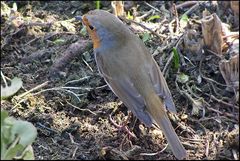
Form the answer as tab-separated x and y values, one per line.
144	27
33	89
186	4
81	109
4	80
176	18
193	8
167	64
152	7
87	65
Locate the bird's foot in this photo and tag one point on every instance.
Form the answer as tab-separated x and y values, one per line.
123	127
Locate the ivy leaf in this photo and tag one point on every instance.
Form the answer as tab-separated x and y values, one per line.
29	154
25	130
182	78
16	84
12	151
146	37
16	138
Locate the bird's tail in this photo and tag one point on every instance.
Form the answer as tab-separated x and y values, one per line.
155	107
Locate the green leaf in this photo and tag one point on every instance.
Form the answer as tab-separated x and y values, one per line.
183	21
16	138
59	41
16	84
129	16
4	115
175	59
146	37
29	155
12	152
97	4
84	31
182	78
4	140
153	17
25	130
6	125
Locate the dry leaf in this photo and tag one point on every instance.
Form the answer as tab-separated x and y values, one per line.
192	41
235	8
230	72
212	33
118	8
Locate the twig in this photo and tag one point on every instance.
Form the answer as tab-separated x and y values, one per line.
58	89
215	119
152	154
186	4
221	101
144	27
45	127
192	8
29	42
152	7
103	86
212	52
171	56
74	152
206	104
33	89
160	49
78	80
235	155
37	24
72	140
193	140
4	80
145	15
167	64
87	65
124	138
176	18
81	109
207	148
209	79
225	113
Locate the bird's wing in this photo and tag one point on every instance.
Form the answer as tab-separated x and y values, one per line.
161	86
127	93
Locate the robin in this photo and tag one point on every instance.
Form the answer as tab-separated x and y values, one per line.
132	74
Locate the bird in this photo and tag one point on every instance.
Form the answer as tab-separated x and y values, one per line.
132	74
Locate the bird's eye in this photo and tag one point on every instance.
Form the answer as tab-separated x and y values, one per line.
91	27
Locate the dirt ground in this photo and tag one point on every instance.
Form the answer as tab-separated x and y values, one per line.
74	122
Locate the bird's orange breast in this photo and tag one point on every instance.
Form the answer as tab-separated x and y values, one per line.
92	33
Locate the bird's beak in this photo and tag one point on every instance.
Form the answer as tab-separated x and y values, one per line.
78	18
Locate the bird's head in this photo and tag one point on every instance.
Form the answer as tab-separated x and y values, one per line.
104	28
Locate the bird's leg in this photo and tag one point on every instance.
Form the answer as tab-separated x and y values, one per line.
123	126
